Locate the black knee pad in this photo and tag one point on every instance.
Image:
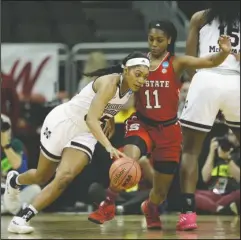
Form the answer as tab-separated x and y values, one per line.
137	141
165	167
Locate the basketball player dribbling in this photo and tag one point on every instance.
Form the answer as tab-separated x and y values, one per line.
154	128
211	90
70	132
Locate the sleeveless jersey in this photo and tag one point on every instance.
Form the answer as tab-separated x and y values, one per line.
158	98
208	44
79	105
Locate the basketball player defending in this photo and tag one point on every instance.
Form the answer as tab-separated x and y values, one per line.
211	90
154	128
70	132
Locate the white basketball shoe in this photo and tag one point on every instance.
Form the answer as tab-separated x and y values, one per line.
19	225
11	195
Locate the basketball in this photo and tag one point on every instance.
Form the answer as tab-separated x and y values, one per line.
124	173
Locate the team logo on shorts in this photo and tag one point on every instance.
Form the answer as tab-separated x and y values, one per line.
47	133
165	64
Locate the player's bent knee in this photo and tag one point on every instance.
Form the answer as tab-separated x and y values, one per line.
138	142
165	167
64	178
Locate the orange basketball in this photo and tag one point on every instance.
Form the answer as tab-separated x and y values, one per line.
124	173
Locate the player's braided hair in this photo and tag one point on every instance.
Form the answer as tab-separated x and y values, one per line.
227	13
115	68
169	29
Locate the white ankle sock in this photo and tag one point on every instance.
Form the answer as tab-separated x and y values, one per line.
33	209
17	181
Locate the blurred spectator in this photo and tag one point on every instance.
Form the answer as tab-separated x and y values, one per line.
13	157
9	100
182	96
221	172
96	60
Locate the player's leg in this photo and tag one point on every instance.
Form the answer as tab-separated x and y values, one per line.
74	158
72	163
49	157
136	144
231	104
166	157
198	116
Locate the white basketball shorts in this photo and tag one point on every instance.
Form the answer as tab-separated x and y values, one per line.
59	131
208	93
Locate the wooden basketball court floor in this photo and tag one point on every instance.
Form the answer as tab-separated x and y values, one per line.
76	226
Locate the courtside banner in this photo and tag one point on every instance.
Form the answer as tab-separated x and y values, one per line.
33	67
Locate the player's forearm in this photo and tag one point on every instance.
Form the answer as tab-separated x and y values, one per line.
97	131
13	158
218	58
208	167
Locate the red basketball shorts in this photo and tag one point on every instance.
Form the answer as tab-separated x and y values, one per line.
162	142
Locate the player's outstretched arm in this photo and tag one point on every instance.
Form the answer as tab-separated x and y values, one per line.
209	61
196	22
105	90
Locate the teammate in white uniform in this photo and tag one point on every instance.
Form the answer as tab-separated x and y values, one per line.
211	90
70	132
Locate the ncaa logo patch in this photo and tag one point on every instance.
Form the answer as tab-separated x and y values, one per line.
164	70
165	64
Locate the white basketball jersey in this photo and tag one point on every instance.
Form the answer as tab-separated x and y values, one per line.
79	105
208	44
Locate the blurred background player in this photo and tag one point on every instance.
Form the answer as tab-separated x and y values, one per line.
154	128
95	61
14	157
211	90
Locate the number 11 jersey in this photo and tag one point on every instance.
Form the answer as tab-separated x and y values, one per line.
158	98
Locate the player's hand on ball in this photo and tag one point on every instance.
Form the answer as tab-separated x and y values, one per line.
225	43
115	153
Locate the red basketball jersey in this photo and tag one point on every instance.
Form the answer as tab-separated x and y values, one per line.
158	98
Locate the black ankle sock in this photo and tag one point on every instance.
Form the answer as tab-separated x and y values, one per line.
13	182
26	213
188	202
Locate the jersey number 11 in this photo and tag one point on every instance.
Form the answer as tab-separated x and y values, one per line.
148	99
